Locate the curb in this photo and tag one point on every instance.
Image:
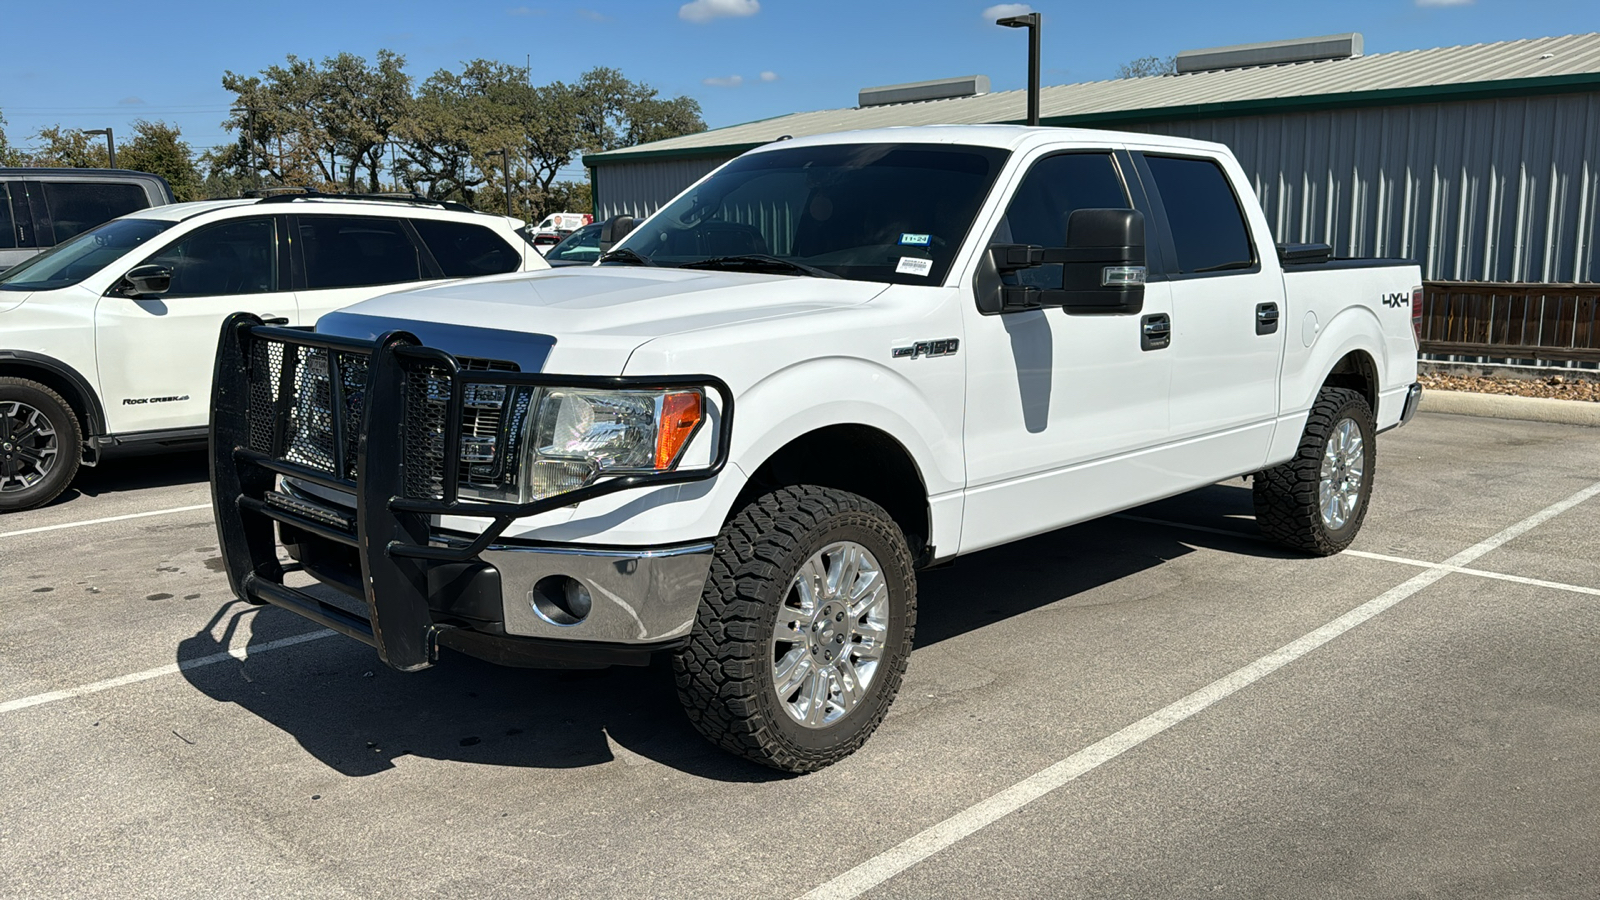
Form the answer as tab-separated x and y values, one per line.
1500	406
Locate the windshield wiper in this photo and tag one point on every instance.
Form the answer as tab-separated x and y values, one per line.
623	254
759	262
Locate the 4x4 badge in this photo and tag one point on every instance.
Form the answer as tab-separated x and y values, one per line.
946	347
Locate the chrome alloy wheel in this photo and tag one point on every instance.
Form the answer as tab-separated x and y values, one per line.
831	633
1344	465
28	446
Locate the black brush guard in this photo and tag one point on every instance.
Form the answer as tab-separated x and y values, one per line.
388	460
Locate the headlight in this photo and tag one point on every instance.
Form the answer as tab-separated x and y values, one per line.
574	437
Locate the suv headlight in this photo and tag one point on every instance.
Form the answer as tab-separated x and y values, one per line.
573	437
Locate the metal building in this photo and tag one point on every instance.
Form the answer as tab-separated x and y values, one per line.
1480	162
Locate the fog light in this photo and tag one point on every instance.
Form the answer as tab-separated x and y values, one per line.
560	600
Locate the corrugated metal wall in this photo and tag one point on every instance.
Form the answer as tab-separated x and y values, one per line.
1495	190
641	188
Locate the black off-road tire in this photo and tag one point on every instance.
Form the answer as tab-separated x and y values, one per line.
1287	499
69	444
724	675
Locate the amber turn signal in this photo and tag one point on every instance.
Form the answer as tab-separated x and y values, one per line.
681	414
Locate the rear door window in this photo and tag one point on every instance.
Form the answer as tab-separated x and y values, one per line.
76	207
463	250
357	251
236	257
8	224
1207	225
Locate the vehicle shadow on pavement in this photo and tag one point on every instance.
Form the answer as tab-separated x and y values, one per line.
137	473
356	716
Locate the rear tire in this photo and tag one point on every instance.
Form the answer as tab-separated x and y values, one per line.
804	629
1316	502
41	444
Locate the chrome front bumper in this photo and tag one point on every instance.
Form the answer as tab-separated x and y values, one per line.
636	595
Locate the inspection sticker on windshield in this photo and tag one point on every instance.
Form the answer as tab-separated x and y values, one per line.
915	240
910	265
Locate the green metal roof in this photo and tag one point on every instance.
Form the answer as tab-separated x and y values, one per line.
1475	72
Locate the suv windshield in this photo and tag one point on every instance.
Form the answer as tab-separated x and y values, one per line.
77	259
872	212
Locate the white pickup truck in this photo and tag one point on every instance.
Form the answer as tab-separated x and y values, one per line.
829	364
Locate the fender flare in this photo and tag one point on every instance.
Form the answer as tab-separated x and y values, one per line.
1356	328
87	398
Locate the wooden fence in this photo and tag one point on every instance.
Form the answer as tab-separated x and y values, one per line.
1542	322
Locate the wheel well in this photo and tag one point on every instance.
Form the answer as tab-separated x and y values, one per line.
1359	373
855	458
70	389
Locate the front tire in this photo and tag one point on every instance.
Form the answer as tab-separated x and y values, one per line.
41	444
1316	502
804	629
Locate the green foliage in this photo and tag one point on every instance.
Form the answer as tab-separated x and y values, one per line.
9	155
68	148
1148	66
158	148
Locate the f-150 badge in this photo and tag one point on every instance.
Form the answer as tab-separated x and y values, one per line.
946	347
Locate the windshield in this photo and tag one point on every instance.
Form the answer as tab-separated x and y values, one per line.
872	212
77	259
582	245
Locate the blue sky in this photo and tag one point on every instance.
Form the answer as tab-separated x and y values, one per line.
165	60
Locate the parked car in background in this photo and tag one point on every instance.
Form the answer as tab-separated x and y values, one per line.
107	341
552	229
580	248
40	208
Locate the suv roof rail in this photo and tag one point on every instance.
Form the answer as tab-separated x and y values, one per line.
291	194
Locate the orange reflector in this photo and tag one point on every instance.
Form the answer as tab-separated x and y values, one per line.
680	416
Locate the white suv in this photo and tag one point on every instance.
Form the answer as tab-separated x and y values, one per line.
107	342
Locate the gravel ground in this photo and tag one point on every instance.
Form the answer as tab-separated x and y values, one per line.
1559	387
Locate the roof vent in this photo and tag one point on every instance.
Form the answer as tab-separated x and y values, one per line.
938	89
1272	53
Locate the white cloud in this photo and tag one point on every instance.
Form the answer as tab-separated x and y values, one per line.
132	101
1444	2
1002	10
730	81
593	16
701	11
769	76
524	11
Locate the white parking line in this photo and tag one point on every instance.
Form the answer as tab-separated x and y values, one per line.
155	512
1419	563
168	669
933	839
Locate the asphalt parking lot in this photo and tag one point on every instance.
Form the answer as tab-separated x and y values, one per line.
1154	705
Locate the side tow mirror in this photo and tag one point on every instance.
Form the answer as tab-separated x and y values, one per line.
1107	273
613	230
143	281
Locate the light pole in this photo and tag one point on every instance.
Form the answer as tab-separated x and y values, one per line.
111	146
505	162
1029	21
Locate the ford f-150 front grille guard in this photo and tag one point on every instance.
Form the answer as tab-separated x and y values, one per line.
380	420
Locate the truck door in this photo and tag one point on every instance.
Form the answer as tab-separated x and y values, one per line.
1058	404
156	354
1227	298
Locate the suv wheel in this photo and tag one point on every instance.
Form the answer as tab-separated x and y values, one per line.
1317	501
40	444
804	629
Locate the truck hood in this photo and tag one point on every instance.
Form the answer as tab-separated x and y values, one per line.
589	318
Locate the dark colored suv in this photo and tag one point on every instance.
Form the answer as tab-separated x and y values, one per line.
40	208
